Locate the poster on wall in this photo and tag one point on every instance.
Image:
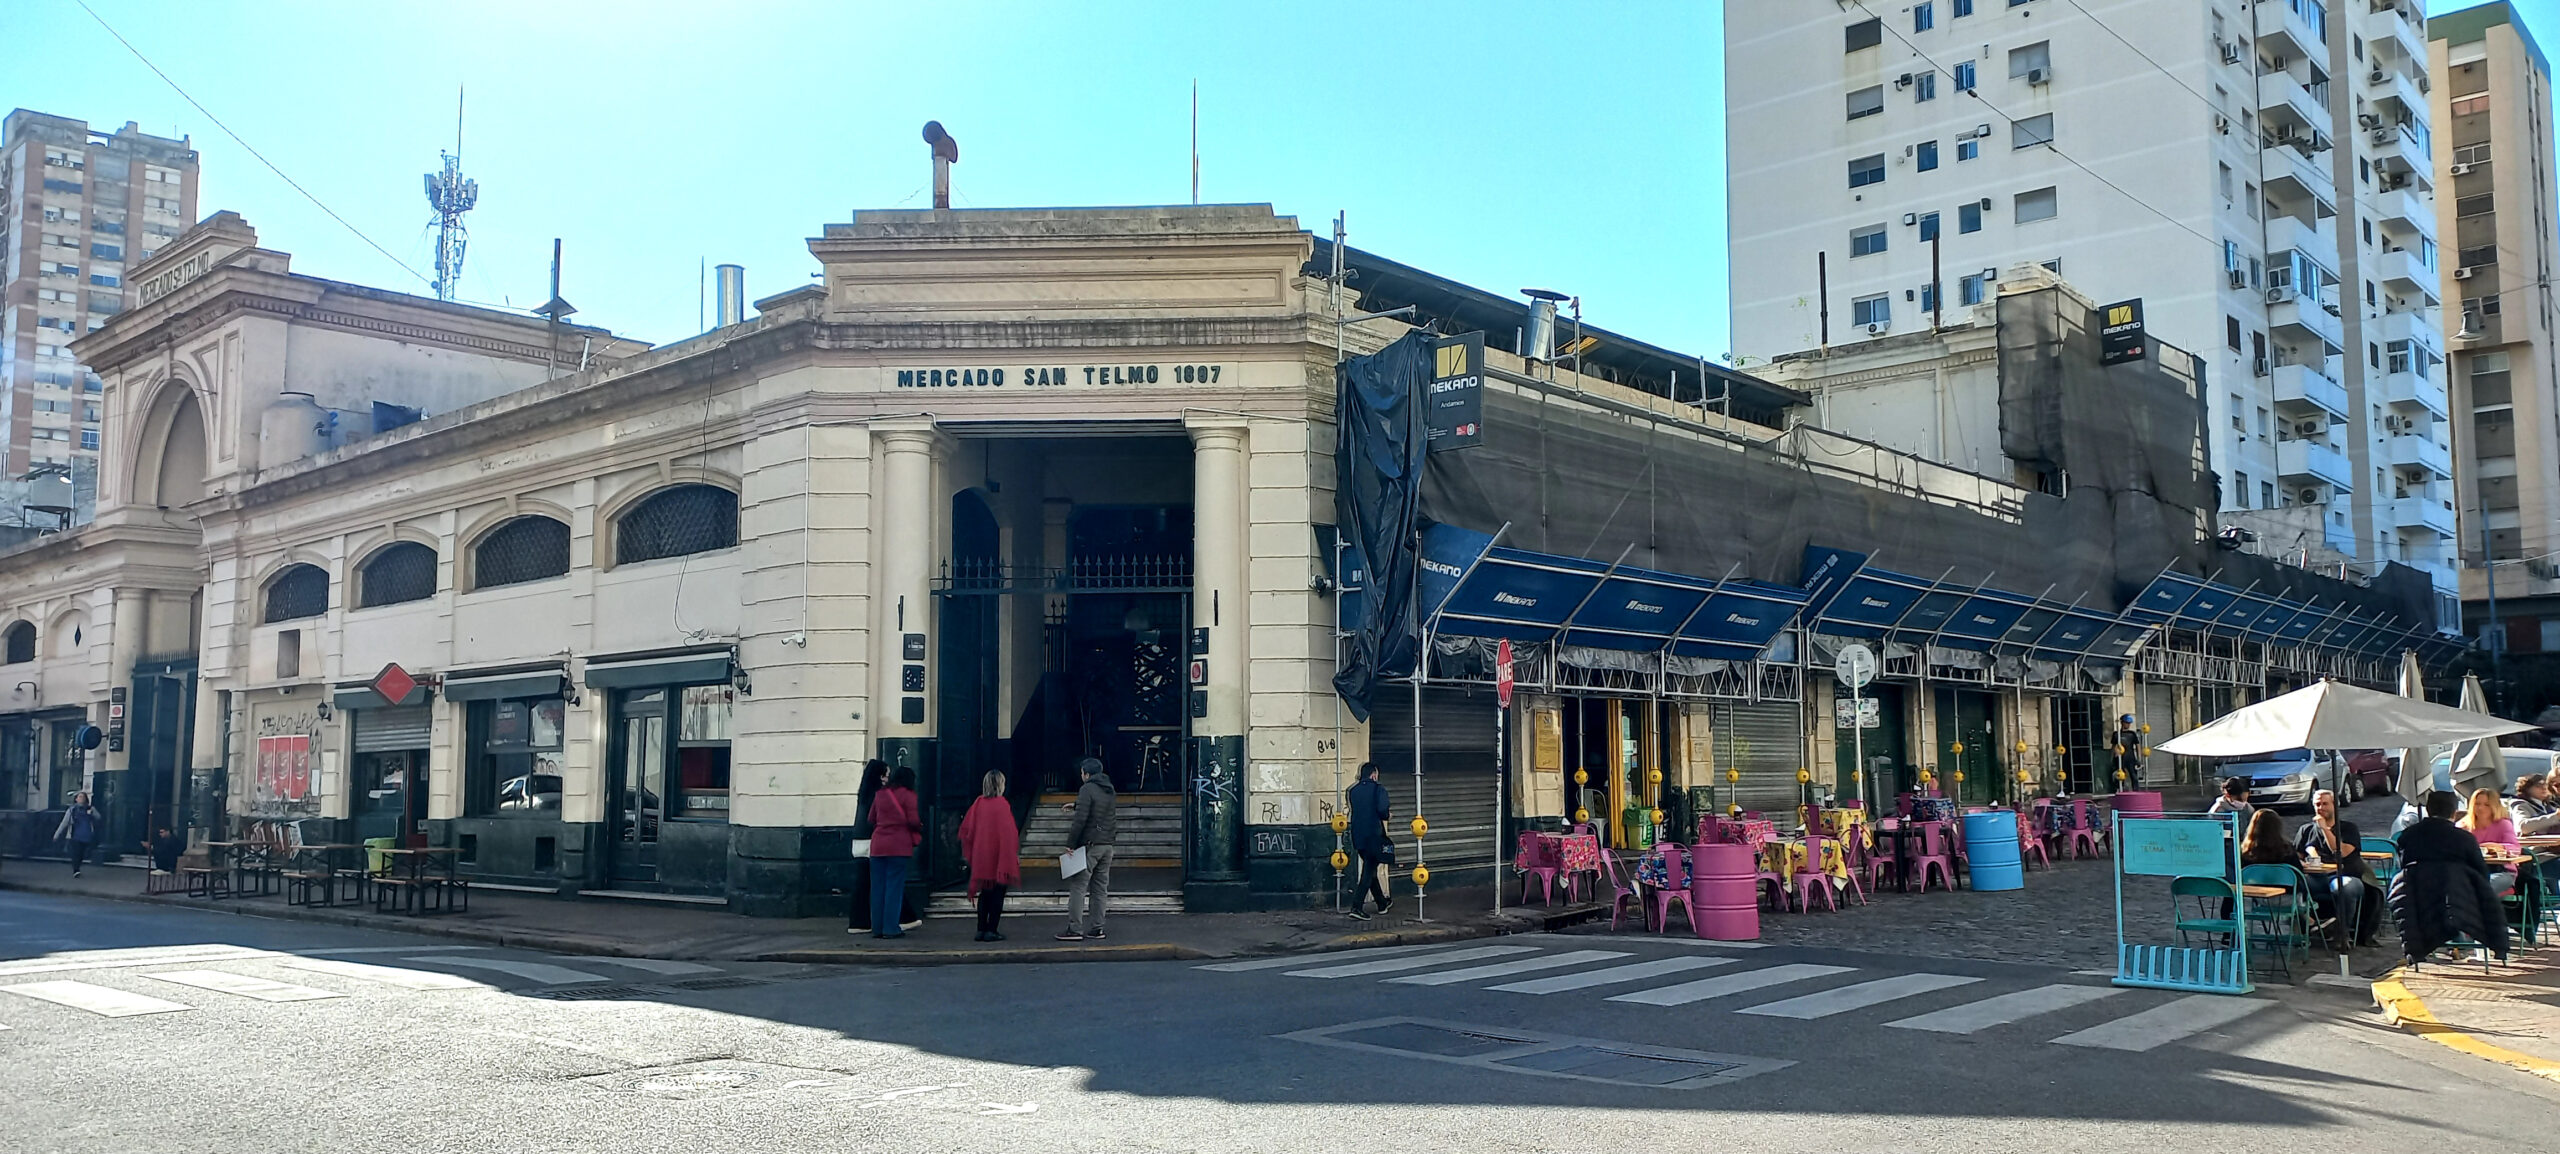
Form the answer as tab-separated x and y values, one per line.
284	767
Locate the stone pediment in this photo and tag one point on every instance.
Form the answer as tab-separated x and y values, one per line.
1024	264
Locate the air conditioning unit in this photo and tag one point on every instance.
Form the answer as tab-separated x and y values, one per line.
2391	424
1910	218
2239	278
2307	429
1904	80
2039	76
2277	296
1986	204
2374	77
2279	63
2381	136
2311	496
2462	274
2222	124
1877	329
2258	367
2460	170
2230	52
2368	120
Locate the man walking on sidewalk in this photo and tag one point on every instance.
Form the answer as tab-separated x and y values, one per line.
1097	819
1369	811
80	828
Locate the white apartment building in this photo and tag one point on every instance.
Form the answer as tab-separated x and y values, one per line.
2258	175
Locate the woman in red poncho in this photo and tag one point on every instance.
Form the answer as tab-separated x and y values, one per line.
992	844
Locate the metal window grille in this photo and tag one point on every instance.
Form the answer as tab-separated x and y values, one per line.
525	549
21	643
676	521
300	591
403	572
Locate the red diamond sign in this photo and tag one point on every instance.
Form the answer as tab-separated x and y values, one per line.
394	683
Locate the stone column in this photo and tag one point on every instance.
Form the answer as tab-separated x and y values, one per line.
905	514
1215	879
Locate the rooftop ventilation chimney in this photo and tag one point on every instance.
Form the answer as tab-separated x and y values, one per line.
946	152
1538	340
732	293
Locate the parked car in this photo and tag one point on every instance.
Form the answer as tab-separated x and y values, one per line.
2288	778
2371	771
2519	762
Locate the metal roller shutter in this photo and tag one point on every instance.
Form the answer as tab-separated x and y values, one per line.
391	730
1458	759
2159	711
1764	741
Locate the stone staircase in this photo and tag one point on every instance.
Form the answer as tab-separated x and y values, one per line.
1146	862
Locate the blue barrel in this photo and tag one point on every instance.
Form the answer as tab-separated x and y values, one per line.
1991	843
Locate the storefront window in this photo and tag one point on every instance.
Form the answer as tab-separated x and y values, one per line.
702	752
515	757
17	764
66	763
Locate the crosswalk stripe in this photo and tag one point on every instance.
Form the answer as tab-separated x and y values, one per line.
1973	1017
542	972
2167	1023
387	975
124	959
1391	965
1505	969
99	1000
1302	959
651	965
244	986
1859	996
1614	975
1717	987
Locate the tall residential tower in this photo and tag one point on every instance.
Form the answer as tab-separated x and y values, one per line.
77	208
2260	175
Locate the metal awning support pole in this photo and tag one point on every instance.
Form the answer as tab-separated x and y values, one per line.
1421	673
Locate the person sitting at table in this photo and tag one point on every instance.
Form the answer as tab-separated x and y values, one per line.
2532	808
2487	819
2442	891
2328	839
2234	799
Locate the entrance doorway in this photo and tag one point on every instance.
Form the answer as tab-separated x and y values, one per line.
390	750
1884	743
1967	744
2080	729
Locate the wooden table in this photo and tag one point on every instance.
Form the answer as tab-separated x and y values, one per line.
414	884
320	863
2258	891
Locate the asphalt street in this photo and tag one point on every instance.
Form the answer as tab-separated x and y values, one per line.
142	1028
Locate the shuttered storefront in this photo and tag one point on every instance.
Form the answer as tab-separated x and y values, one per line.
1459	778
392	730
1765	741
2158	710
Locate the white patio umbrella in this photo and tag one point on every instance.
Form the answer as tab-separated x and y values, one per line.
2336	715
2476	764
2414	779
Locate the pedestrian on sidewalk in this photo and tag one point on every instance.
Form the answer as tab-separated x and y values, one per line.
1097	821
80	828
1370	809
896	827
991	843
875	776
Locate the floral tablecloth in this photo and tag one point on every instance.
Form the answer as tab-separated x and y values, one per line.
1576	852
1786	858
1748	831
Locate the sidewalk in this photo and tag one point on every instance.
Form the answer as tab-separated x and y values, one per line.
637	929
2508	1013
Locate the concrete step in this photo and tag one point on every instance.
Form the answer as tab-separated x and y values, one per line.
956	904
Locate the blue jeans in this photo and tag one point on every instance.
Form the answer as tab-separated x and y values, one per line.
888	887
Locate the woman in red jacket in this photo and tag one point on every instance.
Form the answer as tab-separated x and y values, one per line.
991	844
895	830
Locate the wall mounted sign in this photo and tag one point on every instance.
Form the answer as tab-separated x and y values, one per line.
1049	376
1453	398
2120	332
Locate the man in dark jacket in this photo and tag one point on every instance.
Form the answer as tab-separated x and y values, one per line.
2443	889
1097	821
1369	812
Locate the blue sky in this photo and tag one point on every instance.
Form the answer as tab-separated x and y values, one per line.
1504	144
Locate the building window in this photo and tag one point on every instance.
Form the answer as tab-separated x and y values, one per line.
672	748
298	592
2038	204
1975	289
1968	149
1964	76
1928	227
105	280
1924	16
529	548
1959	8
1865	102
89	439
2034	57
2031	132
1925	156
1865	34
1969	217
1866	170
1874	310
2240	489
20	642
66	762
515	757
2239	422
400	573
1867	241
677	521
1924	88
2231	332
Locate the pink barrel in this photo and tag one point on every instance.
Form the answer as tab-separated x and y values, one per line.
1724	891
2136	801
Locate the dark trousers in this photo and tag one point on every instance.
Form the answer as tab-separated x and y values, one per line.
1371	867
888	891
990	907
858	909
79	855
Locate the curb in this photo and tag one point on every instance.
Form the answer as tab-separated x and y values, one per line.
1133	952
513	939
2404	1009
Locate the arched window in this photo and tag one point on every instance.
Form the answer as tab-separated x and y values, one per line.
675	521
528	548
403	572
20	641
300	591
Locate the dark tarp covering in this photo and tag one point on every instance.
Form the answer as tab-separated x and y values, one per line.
1378	452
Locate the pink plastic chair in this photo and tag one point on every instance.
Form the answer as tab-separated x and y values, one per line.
1623	889
1536	861
1810	880
1854	854
1773	885
1936	853
1710	829
2030	843
1675	866
1877	858
2083	832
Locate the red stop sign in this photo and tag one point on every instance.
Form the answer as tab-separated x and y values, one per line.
1502	673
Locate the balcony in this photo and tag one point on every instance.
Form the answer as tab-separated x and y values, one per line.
2396	96
2289	233
2408	390
2430	513
2299	461
2419	328
2292	175
2306	318
2401	270
2396	148
2405	211
2283	99
2303	387
2392	27
2296	28
2420	451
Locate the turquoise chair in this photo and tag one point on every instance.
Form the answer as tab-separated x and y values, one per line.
2383	871
2282	922
2212	896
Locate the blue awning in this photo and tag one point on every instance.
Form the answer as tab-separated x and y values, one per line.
1472	588
2200	605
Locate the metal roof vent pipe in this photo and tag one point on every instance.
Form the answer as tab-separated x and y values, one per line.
730	290
1538	339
